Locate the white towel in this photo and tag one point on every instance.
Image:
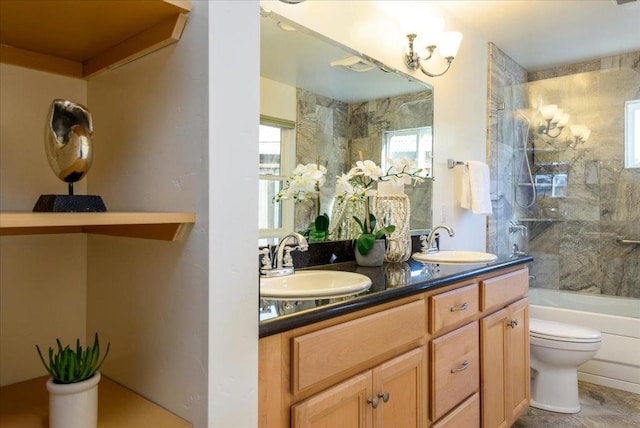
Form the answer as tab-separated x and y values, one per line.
474	193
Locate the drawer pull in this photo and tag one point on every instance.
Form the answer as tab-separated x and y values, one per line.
512	323
384	396
462	307
462	368
373	401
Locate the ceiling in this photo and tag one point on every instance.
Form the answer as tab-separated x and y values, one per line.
302	60
540	34
537	34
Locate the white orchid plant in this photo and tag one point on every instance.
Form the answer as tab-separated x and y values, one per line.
358	184
302	185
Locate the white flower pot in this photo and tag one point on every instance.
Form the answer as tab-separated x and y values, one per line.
375	257
74	405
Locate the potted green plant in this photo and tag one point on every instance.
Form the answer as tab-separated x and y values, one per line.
359	183
73	386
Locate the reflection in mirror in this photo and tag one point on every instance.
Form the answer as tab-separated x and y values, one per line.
340	111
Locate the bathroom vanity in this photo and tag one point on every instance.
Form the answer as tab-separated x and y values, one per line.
426	345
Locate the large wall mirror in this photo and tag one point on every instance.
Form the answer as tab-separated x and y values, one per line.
314	112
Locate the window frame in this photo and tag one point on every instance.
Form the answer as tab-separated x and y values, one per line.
287	164
632	134
418	131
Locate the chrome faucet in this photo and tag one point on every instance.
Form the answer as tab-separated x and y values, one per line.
282	262
431	246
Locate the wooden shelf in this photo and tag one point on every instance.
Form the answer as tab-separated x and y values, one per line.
84	38
164	226
25	404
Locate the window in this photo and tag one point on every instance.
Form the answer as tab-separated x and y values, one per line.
416	144
276	142
632	134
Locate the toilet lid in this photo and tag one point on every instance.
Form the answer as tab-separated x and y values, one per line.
553	330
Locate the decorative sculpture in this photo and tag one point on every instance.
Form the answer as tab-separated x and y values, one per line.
68	145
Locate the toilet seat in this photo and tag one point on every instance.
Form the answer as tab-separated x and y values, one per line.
552	330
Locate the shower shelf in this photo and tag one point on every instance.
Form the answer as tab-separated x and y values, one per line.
547	150
541	219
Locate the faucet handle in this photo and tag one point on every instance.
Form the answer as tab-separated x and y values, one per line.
287	261
265	260
424	245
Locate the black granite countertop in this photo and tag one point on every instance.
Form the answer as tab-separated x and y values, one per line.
389	282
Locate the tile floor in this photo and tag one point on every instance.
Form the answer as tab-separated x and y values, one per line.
601	408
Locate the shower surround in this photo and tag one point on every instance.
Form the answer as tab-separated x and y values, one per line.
572	237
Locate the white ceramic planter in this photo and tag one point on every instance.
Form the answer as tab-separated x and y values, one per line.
375	257
74	405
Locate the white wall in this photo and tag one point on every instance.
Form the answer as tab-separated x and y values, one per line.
150	298
459	96
277	99
234	91
42	278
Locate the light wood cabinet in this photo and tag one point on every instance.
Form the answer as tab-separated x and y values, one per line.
148	225
505	373
81	39
85	38
389	395
450	357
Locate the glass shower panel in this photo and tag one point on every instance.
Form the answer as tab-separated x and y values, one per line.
569	187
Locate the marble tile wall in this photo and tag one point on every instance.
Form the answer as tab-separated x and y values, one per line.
573	239
322	130
337	132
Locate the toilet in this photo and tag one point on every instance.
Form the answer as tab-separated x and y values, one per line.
557	349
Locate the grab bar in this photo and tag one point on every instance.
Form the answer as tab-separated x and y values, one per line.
621	240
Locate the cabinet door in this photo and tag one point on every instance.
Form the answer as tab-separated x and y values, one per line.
344	405
401	387
493	347
518	372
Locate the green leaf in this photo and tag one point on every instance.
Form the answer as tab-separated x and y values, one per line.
372	223
365	243
385	231
67	365
362	226
43	362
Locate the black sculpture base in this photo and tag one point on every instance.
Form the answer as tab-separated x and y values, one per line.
70	204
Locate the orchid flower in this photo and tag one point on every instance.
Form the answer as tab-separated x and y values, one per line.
304	183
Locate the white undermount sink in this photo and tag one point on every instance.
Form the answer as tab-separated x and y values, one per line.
314	284
456	257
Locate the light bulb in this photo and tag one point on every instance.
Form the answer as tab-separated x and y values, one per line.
563	120
548	111
448	44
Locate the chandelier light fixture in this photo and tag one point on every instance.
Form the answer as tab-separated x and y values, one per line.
555	120
447	45
580	134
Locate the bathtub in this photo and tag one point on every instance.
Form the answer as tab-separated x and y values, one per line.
617	363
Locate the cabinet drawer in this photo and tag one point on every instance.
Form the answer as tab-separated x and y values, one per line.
455	368
453	307
465	415
501	290
328	352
